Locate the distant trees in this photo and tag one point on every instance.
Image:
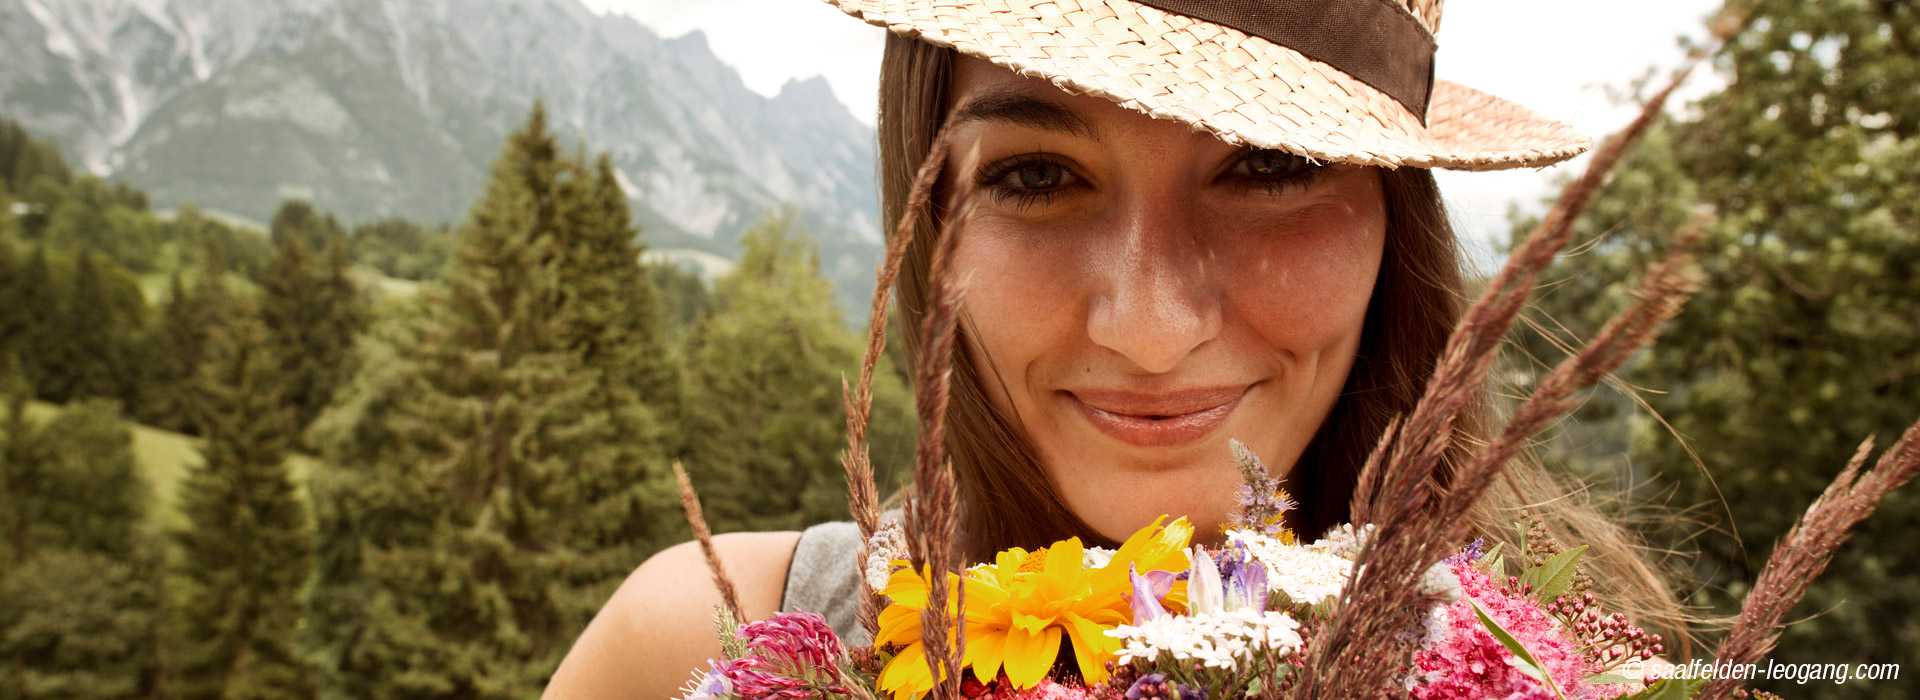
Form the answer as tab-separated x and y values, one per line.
24	159
488	456
245	551
522	480
763	423
311	309
77	325
188	324
402	249
80	599
1804	338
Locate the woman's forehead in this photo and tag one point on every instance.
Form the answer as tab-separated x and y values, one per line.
976	82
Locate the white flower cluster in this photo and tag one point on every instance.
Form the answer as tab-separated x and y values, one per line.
1309	575
1440	580
887	544
1217	640
1343	540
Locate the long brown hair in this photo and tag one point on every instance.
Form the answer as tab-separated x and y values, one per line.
1006	498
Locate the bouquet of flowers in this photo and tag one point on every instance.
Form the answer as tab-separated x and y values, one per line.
1406	602
1158	618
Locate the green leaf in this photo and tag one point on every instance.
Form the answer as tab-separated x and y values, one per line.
1554	576
1496	562
1528	664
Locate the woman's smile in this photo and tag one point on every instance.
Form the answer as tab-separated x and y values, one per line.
1167	419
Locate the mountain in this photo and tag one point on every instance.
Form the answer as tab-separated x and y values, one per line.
375	108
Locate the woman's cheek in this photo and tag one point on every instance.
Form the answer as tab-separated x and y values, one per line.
1018	300
1306	284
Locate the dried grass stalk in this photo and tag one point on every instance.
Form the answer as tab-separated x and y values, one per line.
933	516
1808	548
1360	651
690	503
863	497
1666	287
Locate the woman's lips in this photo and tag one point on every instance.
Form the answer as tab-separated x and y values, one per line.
1163	420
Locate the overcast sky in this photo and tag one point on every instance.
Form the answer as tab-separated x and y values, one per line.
1562	58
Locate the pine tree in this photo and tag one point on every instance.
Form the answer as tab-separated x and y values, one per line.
764	422
483	555
312	311
245	553
613	317
298	220
189	321
87	366
14	314
40	347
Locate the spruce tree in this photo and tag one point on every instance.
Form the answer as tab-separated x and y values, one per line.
312	311
14	315
764	421
245	552
612	316
482	556
298	219
92	350
189	320
40	346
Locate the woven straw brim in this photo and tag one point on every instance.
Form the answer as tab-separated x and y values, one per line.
1244	89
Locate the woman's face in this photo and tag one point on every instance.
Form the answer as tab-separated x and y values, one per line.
1138	293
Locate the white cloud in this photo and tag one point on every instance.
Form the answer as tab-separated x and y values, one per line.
1560	57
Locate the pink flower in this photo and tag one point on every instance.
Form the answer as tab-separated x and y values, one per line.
802	639
790	655
1463	661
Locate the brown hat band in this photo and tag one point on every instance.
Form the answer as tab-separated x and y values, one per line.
1377	42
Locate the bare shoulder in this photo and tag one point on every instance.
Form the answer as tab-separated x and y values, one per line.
658	627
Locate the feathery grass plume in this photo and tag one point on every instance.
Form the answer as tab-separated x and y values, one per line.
1806	550
690	503
863	497
1360	651
933	515
1664	289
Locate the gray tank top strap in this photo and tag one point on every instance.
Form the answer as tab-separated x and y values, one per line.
825	578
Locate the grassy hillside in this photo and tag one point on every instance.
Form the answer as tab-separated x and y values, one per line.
164	458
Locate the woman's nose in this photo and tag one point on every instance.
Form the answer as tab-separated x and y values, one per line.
1156	298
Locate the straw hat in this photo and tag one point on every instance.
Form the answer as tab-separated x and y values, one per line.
1347	81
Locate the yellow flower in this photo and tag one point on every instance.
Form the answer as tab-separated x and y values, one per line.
1021	605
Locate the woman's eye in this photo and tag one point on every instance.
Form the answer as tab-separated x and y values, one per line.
1273	169
1040	176
1026	181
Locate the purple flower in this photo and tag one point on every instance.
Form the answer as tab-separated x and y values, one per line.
1148	589
713	685
1470	553
1263	504
1245	579
1155	686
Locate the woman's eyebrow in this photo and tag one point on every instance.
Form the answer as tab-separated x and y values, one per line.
1014	107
